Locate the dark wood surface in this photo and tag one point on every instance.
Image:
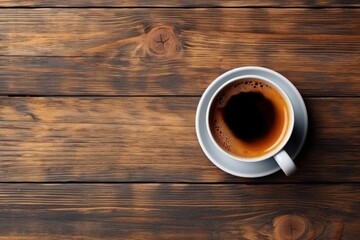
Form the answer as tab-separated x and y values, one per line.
179	3
177	211
82	51
152	139
97	136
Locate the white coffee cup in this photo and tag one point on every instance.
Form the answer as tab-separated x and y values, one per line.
278	153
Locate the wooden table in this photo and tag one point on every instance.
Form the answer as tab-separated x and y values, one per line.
97	108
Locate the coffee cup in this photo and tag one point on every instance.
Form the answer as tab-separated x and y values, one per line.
250	118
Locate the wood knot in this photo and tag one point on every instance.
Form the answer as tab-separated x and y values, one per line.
161	42
300	227
291	226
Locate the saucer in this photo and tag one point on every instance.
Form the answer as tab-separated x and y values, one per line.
251	169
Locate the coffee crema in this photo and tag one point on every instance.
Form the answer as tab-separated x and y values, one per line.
249	118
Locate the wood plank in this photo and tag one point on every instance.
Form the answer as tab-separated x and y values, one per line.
178	3
179	211
153	139
114	77
115	51
122	32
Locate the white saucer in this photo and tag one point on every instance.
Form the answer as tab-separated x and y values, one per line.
251	169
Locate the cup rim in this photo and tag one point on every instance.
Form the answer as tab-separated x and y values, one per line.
285	139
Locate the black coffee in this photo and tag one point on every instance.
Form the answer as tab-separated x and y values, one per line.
249	115
249	118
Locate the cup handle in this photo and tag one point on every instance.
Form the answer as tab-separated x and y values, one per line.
285	162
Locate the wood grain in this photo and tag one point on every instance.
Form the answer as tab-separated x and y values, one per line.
178	3
112	51
97	108
178	211
120	32
152	139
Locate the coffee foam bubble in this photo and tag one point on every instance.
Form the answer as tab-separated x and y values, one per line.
240	86
221	132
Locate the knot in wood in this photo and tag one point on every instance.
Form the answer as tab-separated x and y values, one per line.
291	227
162	41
